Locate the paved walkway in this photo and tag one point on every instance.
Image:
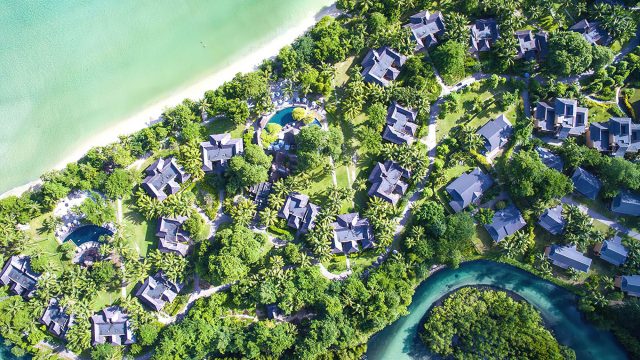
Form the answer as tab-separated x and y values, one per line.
603	219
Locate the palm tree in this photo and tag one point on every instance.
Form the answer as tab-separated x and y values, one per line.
268	217
51	223
203	108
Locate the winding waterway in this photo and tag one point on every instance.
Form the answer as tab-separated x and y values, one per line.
557	305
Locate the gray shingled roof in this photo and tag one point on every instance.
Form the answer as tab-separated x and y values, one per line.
350	232
164	178
552	221
565	118
569	257
586	183
592	32
389	181
299	212
484	33
111	326
260	194
618	136
382	66
468	188
530	45
56	319
158	290
401	125
496	133
626	203
218	150
550	159
426	28
613	252
17	274
631	285
172	238
505	223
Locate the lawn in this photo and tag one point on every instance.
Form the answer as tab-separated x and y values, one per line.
341	76
45	244
140	232
224	125
321	181
599	112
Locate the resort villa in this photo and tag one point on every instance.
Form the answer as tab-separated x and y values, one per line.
111	326
19	277
426	28
505	223
351	233
389	181
612	251
468	188
565	118
618	136
592	32
586	183
218	150
629	284
550	159
568	257
164	178
401	125
172	238
531	46
299	212
56	319
260	194
626	203
484	33
552	220
495	134
158	290
382	66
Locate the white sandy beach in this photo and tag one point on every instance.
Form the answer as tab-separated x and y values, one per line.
246	62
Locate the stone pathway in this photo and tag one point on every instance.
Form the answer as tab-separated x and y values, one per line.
603	219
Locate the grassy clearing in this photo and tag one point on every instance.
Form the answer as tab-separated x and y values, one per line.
599	112
141	232
341	76
224	125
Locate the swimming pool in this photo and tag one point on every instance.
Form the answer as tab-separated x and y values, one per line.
284	117
87	233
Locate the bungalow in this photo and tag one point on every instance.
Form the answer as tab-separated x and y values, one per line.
568	257
299	212
389	181
531	46
564	119
350	231
617	137
586	183
164	178
401	125
630	284
218	150
626	203
382	66
56	319
484	34
505	223
496	134
260	194
111	326
612	251
552	220
17	274
426	28
158	290
550	159
592	32
468	189
173	238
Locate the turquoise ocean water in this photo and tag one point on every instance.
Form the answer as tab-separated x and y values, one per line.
70	69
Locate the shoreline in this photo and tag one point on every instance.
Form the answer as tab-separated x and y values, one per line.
247	61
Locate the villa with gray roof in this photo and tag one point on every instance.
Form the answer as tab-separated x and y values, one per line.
218	150
426	28
531	46
505	223
401	125
552	220
56	319
158	290
382	66
111	326
550	159
618	136
568	257
592	32
260	194
629	284
468	188
19	277
612	251
299	212
565	118
351	233
164	178
496	134
389	181
172	237
484	33
586	183
626	203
